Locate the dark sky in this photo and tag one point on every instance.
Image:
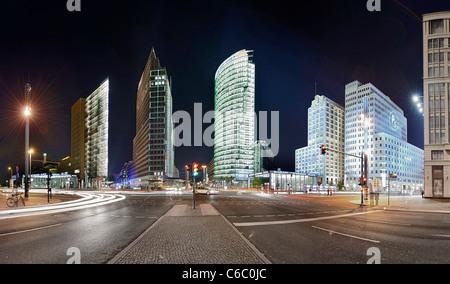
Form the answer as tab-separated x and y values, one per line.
65	56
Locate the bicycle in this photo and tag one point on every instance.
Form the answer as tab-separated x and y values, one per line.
14	200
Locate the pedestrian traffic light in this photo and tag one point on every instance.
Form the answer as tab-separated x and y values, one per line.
195	170
324	149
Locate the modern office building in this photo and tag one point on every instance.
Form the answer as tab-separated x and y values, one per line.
436	84
89	138
381	133
153	147
264	157
234	119
325	127
96	135
77	138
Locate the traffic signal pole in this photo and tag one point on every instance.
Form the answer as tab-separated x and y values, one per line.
363	159
194	174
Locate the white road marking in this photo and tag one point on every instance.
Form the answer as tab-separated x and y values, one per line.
284	222
346	235
30	230
383	222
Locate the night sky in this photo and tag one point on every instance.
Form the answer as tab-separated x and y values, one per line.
65	56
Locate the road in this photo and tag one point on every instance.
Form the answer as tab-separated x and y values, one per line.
304	229
332	230
98	232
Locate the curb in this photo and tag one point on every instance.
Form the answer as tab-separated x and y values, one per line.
116	258
252	247
418	210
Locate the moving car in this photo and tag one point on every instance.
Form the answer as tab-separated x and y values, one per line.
204	190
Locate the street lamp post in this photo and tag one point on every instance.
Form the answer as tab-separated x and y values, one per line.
30	152
10	177
204	167
27	135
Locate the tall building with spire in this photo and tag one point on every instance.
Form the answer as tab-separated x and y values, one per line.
153	148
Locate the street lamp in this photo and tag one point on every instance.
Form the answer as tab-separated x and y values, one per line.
204	167
187	177
27	114
419	102
10	177
30	152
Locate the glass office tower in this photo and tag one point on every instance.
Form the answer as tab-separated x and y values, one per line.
234	119
96	133
153	148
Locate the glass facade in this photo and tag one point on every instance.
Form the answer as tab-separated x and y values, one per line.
234	117
153	147
96	132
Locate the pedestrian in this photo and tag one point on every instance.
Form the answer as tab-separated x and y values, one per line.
423	192
372	195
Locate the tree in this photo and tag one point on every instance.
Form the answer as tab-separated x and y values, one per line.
340	185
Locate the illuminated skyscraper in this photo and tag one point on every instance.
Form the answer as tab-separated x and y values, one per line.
96	133
153	148
325	127
385	144
234	118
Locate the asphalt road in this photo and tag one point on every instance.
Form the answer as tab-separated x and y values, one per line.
332	230
286	230
99	233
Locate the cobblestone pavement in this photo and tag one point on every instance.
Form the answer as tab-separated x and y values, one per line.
186	236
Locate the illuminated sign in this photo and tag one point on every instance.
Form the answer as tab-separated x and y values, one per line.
393	121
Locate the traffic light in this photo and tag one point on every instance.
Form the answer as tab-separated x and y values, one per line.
324	149
195	170
364	181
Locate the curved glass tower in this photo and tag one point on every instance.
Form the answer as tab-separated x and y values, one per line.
234	118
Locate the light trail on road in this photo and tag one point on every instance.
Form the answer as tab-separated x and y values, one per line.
88	200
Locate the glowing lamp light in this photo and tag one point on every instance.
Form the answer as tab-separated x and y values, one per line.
27	111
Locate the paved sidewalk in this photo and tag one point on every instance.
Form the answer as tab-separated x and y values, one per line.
187	236
418	204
